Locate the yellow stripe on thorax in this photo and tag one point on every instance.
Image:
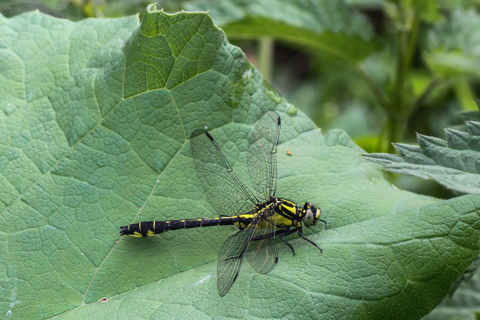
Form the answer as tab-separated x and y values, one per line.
285	222
291	208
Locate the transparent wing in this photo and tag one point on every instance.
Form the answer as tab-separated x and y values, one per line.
230	257
256	241
224	189
262	163
262	251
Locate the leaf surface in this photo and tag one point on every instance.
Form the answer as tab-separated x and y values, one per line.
94	135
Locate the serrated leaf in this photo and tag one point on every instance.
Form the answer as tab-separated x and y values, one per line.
326	25
455	163
98	138
469	115
453	45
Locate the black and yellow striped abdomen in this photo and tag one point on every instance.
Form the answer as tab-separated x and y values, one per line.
149	228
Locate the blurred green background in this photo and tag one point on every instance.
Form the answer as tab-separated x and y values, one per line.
380	70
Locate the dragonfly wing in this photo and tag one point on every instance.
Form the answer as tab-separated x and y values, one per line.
224	189
262	163
230	258
262	251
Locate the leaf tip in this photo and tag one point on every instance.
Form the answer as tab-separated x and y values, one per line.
152	7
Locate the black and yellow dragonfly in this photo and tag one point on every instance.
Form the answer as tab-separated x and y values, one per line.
260	216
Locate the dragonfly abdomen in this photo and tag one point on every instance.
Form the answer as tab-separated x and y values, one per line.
149	228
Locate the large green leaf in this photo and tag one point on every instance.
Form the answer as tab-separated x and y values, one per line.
327	25
94	135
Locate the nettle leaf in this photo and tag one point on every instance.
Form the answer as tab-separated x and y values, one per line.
454	163
453	45
327	25
94	135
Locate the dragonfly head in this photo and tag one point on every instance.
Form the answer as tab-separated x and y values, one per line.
310	214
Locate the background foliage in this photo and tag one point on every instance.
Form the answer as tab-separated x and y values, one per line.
379	70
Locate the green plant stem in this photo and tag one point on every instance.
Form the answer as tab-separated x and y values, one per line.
399	82
412	44
400	108
426	92
396	126
377	92
382	146
265	57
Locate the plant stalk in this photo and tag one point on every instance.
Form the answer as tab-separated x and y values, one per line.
265	57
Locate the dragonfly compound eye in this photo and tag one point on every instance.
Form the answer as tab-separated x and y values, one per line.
318	213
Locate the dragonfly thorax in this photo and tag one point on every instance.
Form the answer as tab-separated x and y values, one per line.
268	203
290	214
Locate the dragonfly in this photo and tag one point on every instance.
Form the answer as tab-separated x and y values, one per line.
259	214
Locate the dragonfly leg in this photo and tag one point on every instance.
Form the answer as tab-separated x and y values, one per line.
300	234
286	233
288	244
